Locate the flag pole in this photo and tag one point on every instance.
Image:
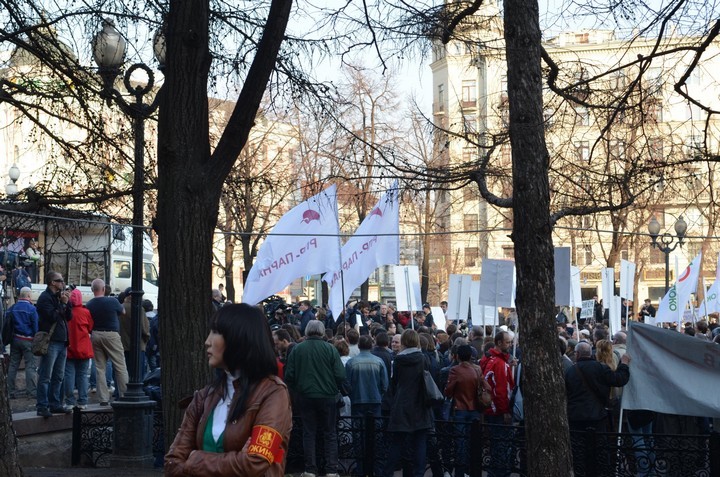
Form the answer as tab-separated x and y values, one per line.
407	292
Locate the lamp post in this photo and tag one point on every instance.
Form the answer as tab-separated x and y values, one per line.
667	242
133	413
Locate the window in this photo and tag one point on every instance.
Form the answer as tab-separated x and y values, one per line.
617	150
471	222
693	248
582	150
655	150
694	146
505	155
587	221
469	193
470	124
441	97
469	92
582	38
624	253
150	273
582	116
472	254
469	154
654	113
508	252
656	256
587	254
121	268
503	88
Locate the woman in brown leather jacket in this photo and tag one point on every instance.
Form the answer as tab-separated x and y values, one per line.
240	424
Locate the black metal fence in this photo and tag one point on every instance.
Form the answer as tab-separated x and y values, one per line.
363	444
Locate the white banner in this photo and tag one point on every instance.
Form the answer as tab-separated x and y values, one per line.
376	243
562	276
496	283
672	373
305	241
608	286
459	297
575	290
481	314
407	288
627	279
672	306
615	321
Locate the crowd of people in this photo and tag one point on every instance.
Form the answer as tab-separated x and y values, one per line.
89	345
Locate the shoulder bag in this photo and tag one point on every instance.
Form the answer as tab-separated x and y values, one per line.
41	341
432	393
484	396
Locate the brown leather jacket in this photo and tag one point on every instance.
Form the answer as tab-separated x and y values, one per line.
254	445
462	386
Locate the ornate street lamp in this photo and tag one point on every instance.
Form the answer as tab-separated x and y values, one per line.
134	411
667	242
11	188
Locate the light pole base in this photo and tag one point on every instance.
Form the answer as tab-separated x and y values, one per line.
133	433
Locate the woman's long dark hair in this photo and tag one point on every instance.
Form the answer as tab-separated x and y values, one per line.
249	350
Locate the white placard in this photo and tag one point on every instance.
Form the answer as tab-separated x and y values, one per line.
588	309
438	317
615	315
562	276
481	314
407	288
627	279
608	286
575	291
458	297
496	283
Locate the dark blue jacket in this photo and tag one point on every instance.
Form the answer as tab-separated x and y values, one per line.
51	310
25	318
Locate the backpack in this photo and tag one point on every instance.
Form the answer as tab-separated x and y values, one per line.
22	280
8	328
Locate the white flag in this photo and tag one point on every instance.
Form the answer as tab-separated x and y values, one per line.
671	373
673	303
712	295
305	241
375	243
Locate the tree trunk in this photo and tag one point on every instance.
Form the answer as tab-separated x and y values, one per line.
9	464
190	182
548	438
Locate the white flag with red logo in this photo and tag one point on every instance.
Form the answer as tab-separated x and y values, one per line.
376	242
712	295
305	241
673	303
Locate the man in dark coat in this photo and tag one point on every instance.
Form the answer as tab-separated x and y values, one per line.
53	309
306	315
588	384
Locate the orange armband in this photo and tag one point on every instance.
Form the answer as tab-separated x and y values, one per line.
266	442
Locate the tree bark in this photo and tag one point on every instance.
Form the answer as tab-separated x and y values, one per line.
9	459
548	438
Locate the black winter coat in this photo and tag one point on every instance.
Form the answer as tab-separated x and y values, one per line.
408	411
588	402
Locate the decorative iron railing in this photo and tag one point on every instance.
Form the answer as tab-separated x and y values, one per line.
363	444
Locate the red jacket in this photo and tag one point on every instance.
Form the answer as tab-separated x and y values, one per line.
498	374
79	329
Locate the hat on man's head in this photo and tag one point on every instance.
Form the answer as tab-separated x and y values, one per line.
585	332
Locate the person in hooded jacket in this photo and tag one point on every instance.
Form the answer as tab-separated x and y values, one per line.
410	417
79	352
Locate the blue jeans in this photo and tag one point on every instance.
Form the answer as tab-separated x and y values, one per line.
412	446
462	429
319	414
50	376
76	377
21	349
